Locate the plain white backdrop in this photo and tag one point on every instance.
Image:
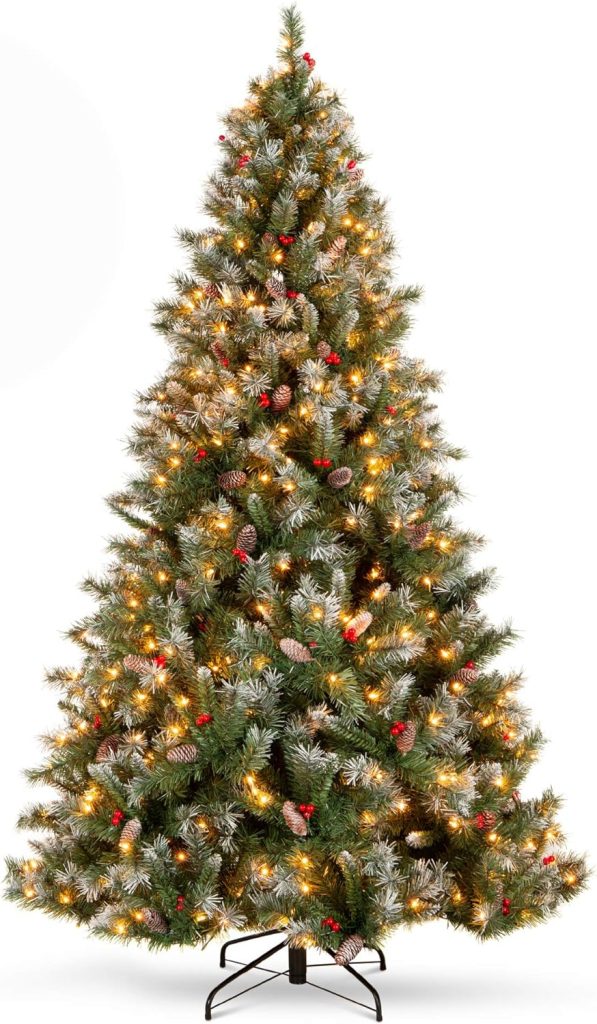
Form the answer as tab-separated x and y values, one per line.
479	119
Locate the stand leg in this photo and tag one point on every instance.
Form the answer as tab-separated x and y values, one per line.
237	974
382	959
364	982
244	938
297	966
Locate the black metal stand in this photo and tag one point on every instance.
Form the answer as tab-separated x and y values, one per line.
296	972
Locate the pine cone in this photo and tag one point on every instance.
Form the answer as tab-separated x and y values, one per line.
154	921
281	398
294	650
269	237
405	741
416	535
218	349
183	590
348	949
360	622
247	538
185	753
323	349
275	285
294	819
130	832
233	479
355	174
340	477
486	820
107	747
466	675
212	290
177	393
337	248
135	663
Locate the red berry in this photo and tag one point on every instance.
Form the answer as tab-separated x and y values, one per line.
202	626
350	635
469	664
306	55
204	718
97	722
240	554
312	643
199	455
264	400
391	409
221	137
351	165
317	462
397	728
159	660
291	294
335	927
333	359
117	817
311	63
480	819
549	860
326	463
224	361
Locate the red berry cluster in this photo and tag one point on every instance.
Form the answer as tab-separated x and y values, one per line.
117	817
287	239
291	294
312	643
506	905
351	165
333	359
97	722
350	635
397	728
159	661
204	718
264	400
309	60
243	160
549	860
330	922
240	554
180	902
199	455
391	409
470	664
326	463
307	810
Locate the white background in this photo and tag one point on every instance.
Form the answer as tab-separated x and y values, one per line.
479	118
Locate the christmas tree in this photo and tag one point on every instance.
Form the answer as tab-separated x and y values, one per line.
285	713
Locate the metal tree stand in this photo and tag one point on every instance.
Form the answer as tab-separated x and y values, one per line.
296	972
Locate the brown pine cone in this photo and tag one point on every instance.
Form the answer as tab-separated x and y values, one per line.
130	832
135	663
355	174
177	394
275	285
405	741
107	747
294	650
232	479
348	949
360	622
323	349
212	290
340	477
185	753
466	675
281	398
294	819
154	921
247	538
337	248
218	349
416	535
183	590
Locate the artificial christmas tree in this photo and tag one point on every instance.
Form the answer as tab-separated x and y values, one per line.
286	716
